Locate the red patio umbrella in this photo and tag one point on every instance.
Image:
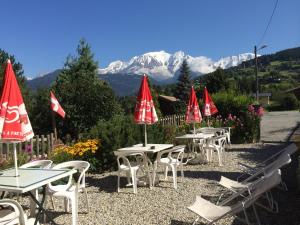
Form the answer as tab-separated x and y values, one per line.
14	122
144	112
193	114
209	106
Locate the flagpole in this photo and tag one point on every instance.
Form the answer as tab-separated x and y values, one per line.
54	124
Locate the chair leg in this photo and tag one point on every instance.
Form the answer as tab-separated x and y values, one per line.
256	215
128	178
74	210
220	157
182	174
134	181
166	172
67	205
196	220
52	202
118	183
154	173
174	170
87	200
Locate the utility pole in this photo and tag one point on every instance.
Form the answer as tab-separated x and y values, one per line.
256	73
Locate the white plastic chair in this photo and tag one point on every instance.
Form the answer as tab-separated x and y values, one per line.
216	144
129	167
212	212
170	161
42	164
13	214
68	191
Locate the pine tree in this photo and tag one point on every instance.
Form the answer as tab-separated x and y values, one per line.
85	98
184	83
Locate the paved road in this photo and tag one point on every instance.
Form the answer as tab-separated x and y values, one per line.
277	126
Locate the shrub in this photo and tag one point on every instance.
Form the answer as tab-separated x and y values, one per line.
289	102
231	103
284	102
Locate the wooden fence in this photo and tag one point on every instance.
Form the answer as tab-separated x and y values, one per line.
176	120
38	145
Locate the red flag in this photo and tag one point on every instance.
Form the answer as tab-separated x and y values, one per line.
193	114
14	121
209	106
144	112
55	106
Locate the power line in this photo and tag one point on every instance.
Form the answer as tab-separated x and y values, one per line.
267	27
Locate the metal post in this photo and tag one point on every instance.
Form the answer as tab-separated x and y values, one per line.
256	73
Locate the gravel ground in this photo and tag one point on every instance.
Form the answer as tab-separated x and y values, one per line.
163	205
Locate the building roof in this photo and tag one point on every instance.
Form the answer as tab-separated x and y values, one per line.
292	90
168	98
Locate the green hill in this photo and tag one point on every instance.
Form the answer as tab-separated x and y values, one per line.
276	72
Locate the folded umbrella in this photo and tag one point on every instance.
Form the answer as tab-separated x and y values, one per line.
14	122
144	112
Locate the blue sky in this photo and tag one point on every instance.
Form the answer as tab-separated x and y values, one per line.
41	34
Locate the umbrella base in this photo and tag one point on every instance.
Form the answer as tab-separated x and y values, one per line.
198	159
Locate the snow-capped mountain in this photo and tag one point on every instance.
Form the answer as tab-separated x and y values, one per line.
163	66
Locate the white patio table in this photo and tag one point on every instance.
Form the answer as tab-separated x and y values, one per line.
29	180
150	148
191	142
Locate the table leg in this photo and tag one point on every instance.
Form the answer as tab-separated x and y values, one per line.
33	206
2	195
41	209
148	171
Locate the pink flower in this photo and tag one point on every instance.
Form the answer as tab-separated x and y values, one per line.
251	108
260	112
229	117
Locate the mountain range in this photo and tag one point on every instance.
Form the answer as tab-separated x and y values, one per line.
161	67
164	67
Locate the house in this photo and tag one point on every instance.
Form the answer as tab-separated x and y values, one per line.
295	91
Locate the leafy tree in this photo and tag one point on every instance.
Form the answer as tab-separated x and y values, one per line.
41	115
184	83
217	81
17	67
85	98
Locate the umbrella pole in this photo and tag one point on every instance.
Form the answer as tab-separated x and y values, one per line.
194	127
145	128
15	160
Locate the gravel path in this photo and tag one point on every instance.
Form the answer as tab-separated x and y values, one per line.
277	126
164	205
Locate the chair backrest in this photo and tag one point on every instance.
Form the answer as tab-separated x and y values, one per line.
123	158
42	164
281	161
264	184
17	212
179	150
80	166
290	149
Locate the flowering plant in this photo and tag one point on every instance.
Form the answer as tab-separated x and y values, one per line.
79	149
256	110
84	150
